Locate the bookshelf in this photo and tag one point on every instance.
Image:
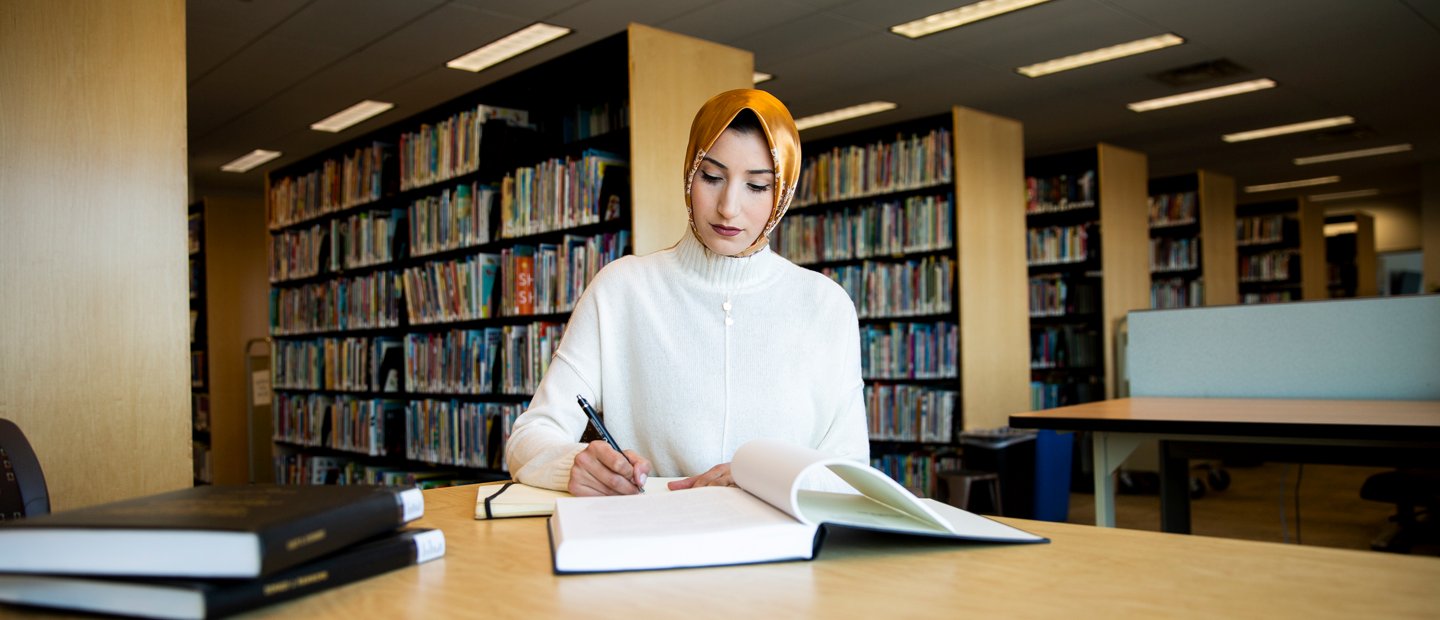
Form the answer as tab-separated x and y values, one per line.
1281	251
905	242
1088	255
448	248
199	369
1192	253
1350	255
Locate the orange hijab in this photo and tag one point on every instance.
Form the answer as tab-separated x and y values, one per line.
780	133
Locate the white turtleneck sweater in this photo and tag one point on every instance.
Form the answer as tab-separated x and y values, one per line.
649	345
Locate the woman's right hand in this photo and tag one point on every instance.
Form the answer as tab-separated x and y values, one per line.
600	470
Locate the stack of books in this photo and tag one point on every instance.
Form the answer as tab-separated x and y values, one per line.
212	551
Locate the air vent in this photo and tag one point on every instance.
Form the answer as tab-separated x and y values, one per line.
1199	73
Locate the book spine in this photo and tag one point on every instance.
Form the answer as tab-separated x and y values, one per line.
301	540
367	560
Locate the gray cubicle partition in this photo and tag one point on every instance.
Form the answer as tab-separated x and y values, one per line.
1375	348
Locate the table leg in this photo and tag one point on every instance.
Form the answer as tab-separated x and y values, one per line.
1110	450
1174	491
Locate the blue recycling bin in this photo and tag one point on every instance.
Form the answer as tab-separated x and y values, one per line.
1052	475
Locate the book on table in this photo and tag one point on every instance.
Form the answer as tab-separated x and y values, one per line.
239	531
157	597
766	517
513	499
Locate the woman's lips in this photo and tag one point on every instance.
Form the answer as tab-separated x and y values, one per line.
726	230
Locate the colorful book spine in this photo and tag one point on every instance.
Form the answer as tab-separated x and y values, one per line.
908	162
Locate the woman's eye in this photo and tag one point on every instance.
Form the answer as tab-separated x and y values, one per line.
709	178
758	188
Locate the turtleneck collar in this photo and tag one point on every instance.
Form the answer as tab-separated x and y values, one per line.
725	273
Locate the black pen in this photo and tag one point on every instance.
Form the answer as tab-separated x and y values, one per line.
600	426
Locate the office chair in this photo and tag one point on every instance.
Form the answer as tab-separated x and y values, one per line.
22	484
1416	495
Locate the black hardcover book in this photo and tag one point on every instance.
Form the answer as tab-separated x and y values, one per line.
207	531
215	598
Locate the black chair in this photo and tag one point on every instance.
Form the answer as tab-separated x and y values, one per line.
22	484
1416	494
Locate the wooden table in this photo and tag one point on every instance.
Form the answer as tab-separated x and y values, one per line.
1389	428
501	569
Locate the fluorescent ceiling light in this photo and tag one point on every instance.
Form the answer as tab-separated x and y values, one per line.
509	46
344	119
970	13
250	160
1280	130
1379	150
843	114
761	76
1270	187
1340	228
1202	95
1103	54
1359	193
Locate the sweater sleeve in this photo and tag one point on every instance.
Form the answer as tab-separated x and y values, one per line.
545	439
848	435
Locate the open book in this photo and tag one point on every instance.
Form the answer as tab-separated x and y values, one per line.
768	518
513	499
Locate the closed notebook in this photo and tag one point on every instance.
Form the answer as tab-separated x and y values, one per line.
512	499
207	531
214	598
767	517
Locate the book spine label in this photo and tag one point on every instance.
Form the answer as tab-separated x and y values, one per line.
412	503
429	545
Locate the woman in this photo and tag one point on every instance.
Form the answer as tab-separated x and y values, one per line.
696	349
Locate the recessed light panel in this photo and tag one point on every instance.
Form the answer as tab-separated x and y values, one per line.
968	14
1105	54
843	114
1228	90
509	46
250	160
1270	187
1270	132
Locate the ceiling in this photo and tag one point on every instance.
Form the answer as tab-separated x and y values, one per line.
260	71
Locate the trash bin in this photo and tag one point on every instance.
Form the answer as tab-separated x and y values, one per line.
1052	475
1034	469
1010	453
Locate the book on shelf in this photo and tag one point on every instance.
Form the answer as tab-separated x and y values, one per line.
215	598
239	531
514	499
767	517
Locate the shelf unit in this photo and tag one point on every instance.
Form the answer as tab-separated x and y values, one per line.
1088	255
905	247
1281	251
427	381
199	340
1192	253
1350	255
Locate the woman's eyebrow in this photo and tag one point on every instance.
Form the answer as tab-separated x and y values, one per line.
724	167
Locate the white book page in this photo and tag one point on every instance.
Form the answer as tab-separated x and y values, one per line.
696	527
772	469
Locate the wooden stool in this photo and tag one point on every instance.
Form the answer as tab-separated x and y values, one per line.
956	490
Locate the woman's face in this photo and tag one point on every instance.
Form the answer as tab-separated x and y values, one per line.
733	192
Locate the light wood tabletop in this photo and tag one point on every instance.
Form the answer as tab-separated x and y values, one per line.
501	569
1417	420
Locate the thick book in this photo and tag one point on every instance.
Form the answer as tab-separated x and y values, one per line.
513	499
206	531
767	517
215	598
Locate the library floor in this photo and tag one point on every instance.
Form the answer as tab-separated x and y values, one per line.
1331	511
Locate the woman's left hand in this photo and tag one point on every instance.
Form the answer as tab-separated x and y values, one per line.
718	476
